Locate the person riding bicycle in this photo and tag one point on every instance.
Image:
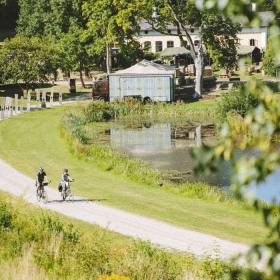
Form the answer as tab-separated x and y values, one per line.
65	179
41	178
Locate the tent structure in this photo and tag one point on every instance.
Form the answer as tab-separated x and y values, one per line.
174	51
146	79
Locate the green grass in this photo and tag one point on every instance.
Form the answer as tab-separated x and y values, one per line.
40	244
32	140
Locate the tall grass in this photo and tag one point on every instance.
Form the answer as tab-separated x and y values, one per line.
39	244
131	108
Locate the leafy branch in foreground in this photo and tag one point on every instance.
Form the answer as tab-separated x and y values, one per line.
264	124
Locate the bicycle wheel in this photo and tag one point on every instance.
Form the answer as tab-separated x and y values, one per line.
45	197
63	195
70	195
38	195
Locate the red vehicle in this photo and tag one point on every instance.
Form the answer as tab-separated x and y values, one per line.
100	89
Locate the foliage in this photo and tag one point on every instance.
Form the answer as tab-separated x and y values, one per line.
73	52
264	124
62	21
131	108
269	60
110	23
27	59
36	248
237	101
6	216
48	18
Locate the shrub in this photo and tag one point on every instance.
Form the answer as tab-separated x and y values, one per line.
236	101
98	111
6	216
269	60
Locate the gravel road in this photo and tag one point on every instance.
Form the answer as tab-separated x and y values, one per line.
160	233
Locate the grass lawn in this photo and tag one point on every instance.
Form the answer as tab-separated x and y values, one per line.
32	140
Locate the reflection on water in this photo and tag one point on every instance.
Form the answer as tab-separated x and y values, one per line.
167	148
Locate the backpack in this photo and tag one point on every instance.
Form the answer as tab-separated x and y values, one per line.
60	187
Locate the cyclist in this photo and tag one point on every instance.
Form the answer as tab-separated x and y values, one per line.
65	179
41	178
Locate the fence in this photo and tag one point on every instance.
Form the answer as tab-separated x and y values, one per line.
12	106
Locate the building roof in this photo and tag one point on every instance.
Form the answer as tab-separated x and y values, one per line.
174	51
245	50
265	17
146	67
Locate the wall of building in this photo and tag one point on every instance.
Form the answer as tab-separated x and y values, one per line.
258	35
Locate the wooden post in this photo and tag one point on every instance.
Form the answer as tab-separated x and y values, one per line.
198	136
37	96
51	98
6	107
60	98
11	109
38	99
16	103
28	101
21	104
44	99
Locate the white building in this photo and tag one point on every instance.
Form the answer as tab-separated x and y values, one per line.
156	42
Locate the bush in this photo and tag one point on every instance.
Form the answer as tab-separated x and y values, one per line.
6	216
98	111
269	61
236	101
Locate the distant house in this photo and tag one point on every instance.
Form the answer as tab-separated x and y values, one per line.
252	52
153	41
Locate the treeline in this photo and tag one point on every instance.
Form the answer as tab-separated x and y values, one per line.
81	35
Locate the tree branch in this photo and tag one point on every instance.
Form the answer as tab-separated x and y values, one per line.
181	25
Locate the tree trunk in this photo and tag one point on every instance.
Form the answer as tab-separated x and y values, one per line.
81	78
108	59
199	66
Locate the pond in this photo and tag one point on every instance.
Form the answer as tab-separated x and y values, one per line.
166	147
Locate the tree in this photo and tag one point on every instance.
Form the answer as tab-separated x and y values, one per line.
61	20
73	52
263	123
110	23
269	60
217	33
26	60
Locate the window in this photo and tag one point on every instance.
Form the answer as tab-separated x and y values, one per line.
158	46
147	46
252	42
170	44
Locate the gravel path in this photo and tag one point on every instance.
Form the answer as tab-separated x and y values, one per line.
159	233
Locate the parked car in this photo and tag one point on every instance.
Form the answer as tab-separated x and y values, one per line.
100	89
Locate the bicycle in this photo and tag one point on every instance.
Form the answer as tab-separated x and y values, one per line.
66	192
41	193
